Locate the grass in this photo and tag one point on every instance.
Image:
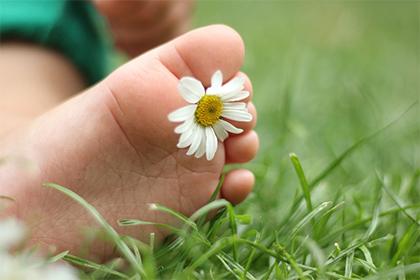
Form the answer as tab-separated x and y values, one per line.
327	78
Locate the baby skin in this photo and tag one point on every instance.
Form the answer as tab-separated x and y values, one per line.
113	145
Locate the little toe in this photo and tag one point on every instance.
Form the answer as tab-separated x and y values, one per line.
241	148
237	185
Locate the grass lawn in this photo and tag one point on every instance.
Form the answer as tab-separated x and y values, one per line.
328	77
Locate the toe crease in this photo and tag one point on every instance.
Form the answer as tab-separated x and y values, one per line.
181	58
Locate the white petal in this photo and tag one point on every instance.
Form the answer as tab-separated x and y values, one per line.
191	89
237	115
196	140
182	114
202	148
211	143
214	91
185	139
217	79
231	128
12	232
235	96
220	131
234	105
187	125
234	85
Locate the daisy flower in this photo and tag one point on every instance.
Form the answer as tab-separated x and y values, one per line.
11	232
25	265
205	119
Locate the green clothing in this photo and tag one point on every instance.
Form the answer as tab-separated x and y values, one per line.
73	28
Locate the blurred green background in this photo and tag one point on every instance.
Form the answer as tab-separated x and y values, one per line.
325	75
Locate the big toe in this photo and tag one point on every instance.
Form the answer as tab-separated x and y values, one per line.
148	84
202	51
152	78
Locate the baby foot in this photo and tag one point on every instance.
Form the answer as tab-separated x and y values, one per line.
114	146
138	26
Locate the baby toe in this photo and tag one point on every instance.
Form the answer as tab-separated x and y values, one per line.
237	185
242	148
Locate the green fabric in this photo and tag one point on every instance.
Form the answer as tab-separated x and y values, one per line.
71	27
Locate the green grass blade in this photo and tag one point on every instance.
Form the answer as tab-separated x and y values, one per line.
57	257
355	224
413	269
267	275
214	205
302	179
333	165
122	247
368	256
291	261
317	253
216	192
338	276
320	208
375	220
217	247
251	255
345	253
92	265
134	222
396	200
213	197
135	249
144	254
234	230
349	265
177	215
368	267
378	241
239	270
321	225
406	243
152	242
227	266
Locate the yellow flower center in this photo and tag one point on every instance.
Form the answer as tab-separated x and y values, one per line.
209	109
